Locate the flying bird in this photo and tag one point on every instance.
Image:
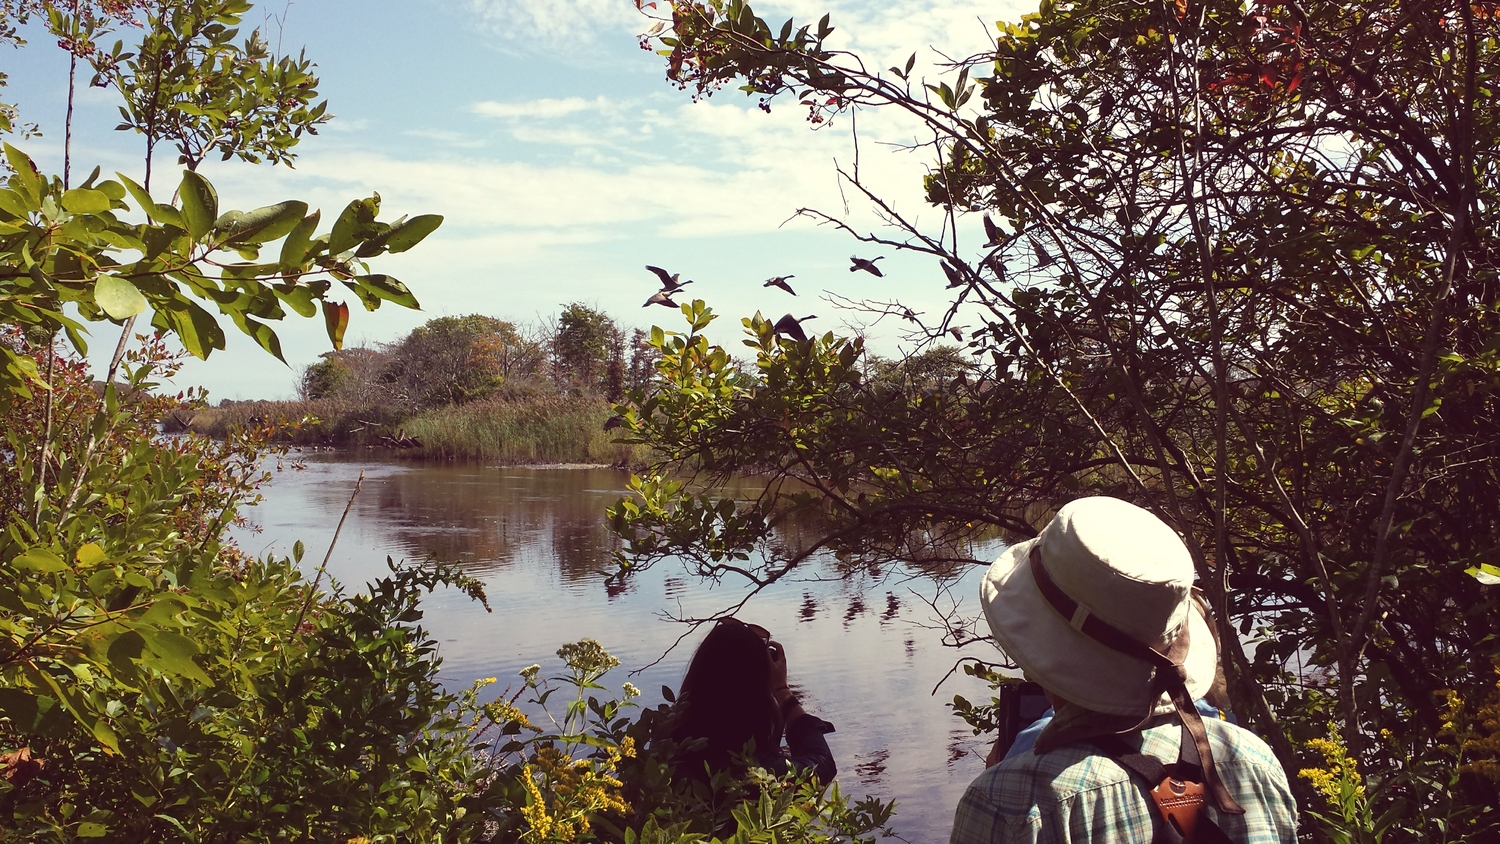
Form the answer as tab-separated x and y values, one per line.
866	264
613	422
780	281
954	278
992	232
660	297
1043	258
669	281
790	326
958	333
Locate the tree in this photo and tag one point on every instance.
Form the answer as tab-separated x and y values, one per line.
643	357
122	610
1235	266
586	344
179	254
932	368
451	360
352	373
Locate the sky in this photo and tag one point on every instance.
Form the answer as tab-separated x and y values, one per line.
563	163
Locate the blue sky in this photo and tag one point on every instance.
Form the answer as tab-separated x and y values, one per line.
562	161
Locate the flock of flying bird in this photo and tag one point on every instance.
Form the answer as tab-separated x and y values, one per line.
788	325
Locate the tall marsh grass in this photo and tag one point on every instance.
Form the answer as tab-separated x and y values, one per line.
517	429
536	430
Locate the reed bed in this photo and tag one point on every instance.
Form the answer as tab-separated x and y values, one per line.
517	429
536	430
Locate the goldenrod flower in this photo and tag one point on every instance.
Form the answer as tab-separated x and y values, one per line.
503	712
1338	769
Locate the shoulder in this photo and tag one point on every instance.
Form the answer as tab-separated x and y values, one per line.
1070	794
1241	755
1240	741
1254	775
1076	793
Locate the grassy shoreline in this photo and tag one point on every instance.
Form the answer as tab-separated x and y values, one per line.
524	431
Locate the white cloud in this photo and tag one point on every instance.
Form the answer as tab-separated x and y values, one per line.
569	22
543	108
885	32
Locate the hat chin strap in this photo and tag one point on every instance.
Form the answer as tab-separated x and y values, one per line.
1169	676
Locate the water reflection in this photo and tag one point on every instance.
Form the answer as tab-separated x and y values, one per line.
489	519
856	647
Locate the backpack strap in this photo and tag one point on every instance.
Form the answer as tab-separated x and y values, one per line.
1176	791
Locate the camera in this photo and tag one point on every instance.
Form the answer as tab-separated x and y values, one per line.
1020	705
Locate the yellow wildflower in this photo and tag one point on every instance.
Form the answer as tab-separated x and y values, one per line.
1479	743
504	712
1338	769
535	811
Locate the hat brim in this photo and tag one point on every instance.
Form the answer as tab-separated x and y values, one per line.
1070	664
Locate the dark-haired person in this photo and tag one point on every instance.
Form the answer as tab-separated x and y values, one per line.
735	692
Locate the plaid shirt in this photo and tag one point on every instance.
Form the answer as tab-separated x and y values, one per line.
1077	794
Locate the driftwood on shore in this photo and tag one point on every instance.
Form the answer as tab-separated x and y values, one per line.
399	440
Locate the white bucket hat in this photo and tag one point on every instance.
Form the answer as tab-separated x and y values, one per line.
1099	608
1121	565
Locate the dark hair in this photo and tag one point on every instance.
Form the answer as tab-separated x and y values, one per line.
726	698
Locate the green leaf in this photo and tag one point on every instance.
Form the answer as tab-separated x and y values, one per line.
300	298
14	204
39	560
118	297
356	216
389	288
90	829
196	328
172	653
85	201
20	707
265	224
160	213
294	249
25	170
263	336
1485	573
105	736
404	236
122	653
200	204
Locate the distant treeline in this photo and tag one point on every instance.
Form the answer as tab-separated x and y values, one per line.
466	387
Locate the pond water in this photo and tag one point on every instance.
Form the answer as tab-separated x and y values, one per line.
862	654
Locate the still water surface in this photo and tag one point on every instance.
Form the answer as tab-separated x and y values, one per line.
858	652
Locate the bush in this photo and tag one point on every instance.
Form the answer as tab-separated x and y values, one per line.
157	685
598	774
325	421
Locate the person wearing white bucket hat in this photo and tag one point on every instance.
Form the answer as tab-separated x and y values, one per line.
1100	611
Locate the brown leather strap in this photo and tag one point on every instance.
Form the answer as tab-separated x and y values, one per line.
1170	676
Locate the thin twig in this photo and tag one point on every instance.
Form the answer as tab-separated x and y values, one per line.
318	578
